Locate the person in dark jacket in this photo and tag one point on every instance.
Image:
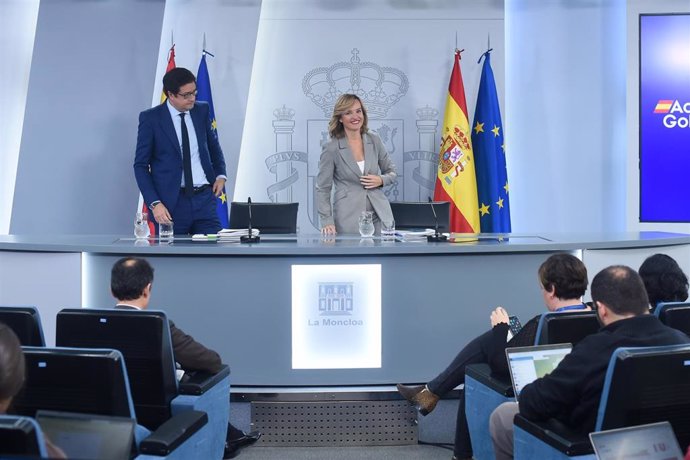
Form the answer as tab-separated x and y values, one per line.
563	281
131	280
571	393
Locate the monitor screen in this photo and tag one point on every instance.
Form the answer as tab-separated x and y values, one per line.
84	436
664	111
526	364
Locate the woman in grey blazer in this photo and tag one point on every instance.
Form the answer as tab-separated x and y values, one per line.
357	163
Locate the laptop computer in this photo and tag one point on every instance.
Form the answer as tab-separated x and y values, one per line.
654	441
87	436
526	364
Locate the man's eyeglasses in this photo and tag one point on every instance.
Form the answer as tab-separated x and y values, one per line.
187	96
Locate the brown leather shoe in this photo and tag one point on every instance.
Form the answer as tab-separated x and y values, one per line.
420	396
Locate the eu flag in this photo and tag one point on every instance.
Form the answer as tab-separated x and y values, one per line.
490	158
203	87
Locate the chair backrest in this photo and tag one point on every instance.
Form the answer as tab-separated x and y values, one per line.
410	214
675	315
21	436
647	385
26	323
74	380
566	327
267	217
143	337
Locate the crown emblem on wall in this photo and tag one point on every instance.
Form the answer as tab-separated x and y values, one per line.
380	88
427	113
284	113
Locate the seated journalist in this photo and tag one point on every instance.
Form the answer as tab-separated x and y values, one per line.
563	282
131	280
664	280
571	393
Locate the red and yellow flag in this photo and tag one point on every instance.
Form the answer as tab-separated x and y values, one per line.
456	181
171	65
143	207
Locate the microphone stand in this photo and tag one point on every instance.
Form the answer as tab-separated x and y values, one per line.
436	237
249	238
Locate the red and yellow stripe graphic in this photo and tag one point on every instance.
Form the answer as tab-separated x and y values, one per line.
456	181
663	106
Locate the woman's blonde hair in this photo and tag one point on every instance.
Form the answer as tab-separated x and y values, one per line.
344	102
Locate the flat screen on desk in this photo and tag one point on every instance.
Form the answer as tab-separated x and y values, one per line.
664	111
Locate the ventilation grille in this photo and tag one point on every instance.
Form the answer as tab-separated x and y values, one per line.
337	423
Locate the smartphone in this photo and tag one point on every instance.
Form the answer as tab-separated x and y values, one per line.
514	325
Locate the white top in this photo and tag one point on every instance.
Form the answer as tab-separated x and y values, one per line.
361	166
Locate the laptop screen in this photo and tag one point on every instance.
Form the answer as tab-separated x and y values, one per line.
655	441
526	364
86	436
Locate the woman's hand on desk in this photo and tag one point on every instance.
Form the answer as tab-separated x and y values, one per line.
328	230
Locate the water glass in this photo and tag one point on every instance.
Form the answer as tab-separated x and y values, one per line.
165	231
388	230
141	225
366	224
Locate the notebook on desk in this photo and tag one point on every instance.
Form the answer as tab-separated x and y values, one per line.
87	436
526	364
655	441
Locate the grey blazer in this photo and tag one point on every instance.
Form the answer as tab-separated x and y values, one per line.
338	167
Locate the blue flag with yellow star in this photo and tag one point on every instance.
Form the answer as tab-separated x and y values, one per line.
489	155
203	87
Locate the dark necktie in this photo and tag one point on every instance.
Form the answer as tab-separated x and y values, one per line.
186	160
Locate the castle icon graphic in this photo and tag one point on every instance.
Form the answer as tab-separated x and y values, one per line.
335	299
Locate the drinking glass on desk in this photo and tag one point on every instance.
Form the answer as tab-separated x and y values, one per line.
165	231
388	230
366	224
141	225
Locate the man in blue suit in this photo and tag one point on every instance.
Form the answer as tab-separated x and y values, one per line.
179	165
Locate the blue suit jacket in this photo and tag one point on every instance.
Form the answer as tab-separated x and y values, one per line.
158	159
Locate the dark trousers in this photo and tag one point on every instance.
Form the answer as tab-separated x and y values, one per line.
477	351
195	214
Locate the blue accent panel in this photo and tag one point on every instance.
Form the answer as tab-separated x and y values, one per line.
216	403
197	446
140	433
480	402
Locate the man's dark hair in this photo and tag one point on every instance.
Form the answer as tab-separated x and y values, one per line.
175	78
621	289
663	279
12	366
566	273
129	277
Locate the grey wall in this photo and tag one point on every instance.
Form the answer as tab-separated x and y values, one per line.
93	70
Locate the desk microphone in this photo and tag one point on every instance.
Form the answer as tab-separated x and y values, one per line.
249	238
436	237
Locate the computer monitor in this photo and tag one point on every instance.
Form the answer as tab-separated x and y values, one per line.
26	323
418	215
526	364
88	436
72	380
267	217
654	441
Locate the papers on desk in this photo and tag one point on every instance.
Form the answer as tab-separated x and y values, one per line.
232	235
227	235
414	235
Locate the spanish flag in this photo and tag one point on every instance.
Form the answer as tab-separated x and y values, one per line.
141	206
456	181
